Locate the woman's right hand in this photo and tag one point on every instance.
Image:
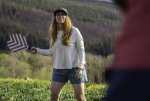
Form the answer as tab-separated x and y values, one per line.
33	50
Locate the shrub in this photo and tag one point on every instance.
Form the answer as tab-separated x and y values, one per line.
20	90
23	64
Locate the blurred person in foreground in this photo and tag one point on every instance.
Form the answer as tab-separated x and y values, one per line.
67	50
130	77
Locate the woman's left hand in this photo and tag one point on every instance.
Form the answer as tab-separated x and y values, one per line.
79	73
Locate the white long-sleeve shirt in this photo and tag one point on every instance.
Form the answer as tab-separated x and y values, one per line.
67	57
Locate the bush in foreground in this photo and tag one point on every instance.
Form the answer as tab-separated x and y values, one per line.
36	90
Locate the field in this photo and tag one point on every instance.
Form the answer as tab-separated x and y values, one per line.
37	90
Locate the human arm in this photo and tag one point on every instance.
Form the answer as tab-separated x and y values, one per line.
45	52
80	49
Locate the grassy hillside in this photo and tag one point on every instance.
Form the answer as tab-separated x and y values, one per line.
98	23
23	65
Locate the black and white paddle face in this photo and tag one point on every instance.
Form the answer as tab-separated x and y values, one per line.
17	42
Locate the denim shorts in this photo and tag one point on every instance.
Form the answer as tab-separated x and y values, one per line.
65	75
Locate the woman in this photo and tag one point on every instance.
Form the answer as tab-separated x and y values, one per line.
67	50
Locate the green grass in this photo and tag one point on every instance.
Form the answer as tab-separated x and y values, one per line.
36	90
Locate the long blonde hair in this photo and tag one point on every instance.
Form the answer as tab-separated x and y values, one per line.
67	27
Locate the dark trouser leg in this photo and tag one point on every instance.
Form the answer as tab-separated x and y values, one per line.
129	86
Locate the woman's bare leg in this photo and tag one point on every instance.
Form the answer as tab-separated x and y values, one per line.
79	92
55	90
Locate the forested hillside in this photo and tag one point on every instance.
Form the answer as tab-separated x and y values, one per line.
98	22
